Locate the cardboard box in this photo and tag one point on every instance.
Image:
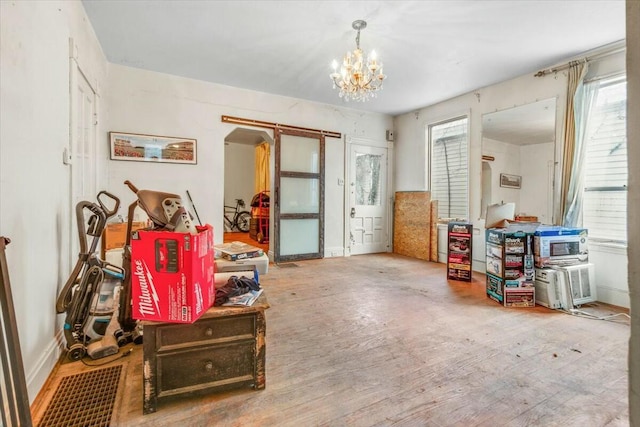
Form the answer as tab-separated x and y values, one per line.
114	235
235	251
520	297
526	218
495	288
459	247
510	256
172	275
261	264
510	293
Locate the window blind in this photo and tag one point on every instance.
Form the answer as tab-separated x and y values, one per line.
605	174
449	172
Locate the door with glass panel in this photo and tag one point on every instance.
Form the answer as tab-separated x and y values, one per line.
299	196
367	199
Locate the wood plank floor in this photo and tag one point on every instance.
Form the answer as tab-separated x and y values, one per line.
385	340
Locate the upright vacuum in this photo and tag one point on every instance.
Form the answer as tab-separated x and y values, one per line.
90	295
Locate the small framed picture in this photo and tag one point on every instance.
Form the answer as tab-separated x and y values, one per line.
510	181
152	148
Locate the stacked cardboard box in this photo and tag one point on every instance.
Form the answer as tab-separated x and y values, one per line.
459	245
510	269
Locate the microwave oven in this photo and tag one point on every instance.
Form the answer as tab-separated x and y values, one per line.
559	246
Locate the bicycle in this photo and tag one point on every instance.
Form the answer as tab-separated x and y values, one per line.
240	220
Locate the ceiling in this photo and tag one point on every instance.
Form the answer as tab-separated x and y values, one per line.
431	50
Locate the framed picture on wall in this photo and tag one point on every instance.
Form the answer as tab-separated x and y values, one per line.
510	181
152	148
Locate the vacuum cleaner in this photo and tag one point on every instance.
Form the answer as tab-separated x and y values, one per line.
90	295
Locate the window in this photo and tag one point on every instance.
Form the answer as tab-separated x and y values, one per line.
604	211
368	179
449	171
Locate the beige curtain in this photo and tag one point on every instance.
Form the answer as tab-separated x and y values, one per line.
262	167
576	74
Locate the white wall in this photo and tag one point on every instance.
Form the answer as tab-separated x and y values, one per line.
534	163
507	160
536	168
34	183
411	166
153	103
239	174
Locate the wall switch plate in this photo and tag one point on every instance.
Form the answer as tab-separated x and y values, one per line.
66	156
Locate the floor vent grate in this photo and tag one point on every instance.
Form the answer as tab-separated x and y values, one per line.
84	400
288	265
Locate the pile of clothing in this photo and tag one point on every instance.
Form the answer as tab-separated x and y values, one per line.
235	286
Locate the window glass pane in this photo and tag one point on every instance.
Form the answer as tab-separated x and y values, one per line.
604	210
449	171
368	179
605	214
606	156
299	154
299	195
299	236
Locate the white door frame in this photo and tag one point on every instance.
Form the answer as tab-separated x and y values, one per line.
350	140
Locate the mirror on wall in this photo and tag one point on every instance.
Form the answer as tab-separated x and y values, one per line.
518	159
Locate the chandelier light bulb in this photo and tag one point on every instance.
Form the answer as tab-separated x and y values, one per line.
360	77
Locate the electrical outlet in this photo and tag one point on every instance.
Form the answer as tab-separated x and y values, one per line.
340	181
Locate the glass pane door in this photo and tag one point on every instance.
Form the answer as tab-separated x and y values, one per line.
299	192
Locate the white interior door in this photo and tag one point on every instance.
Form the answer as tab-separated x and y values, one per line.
83	164
368	201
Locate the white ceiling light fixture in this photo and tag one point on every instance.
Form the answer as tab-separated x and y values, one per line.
360	77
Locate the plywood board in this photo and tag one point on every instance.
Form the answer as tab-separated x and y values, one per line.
412	224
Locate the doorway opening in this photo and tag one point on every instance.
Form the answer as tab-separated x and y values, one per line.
247	174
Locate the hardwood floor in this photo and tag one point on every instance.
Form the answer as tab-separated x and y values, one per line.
385	340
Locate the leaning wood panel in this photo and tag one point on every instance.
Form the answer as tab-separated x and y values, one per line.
412	224
434	232
14	396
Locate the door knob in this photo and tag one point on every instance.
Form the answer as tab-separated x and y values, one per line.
353	212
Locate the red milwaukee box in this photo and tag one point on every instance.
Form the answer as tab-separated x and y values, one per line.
172	275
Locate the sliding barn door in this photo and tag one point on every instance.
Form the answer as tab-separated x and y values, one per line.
299	196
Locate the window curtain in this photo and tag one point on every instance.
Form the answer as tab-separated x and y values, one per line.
262	179
575	123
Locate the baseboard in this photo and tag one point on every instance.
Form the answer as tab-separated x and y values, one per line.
613	296
337	251
39	374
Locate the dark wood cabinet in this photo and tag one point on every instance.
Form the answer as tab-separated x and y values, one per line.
223	349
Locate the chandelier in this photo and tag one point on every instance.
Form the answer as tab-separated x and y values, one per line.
360	77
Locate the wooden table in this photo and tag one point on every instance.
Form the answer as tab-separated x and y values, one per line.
225	348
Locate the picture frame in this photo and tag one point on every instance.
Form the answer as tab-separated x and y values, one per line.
153	148
510	181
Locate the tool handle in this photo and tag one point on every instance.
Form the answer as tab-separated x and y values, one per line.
131	186
115	201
